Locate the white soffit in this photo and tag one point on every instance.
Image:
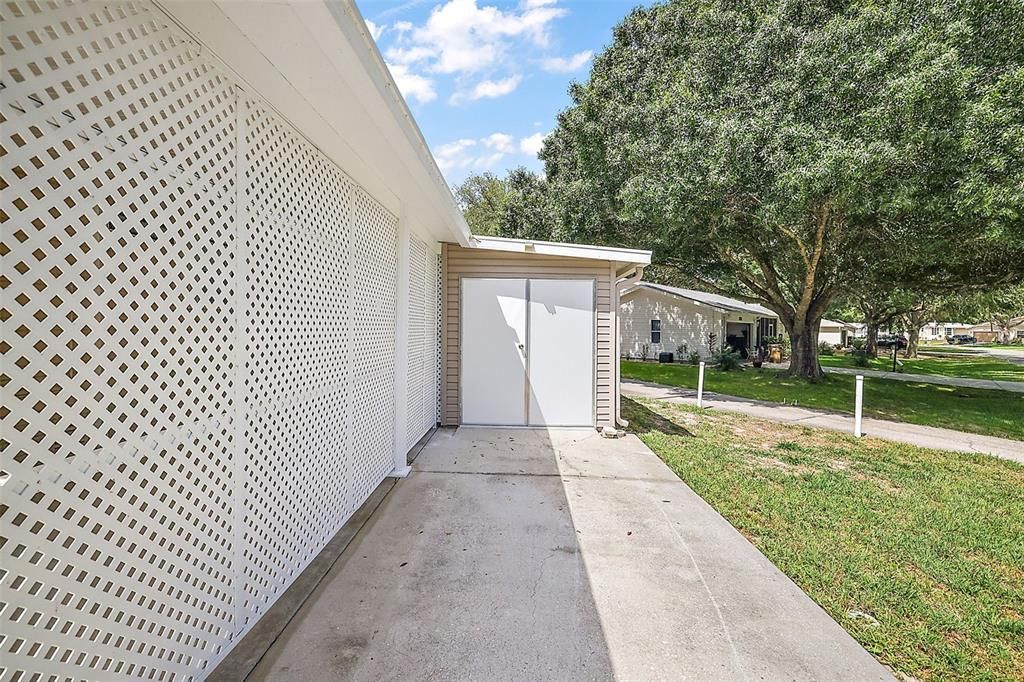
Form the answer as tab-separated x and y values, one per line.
316	64
565	250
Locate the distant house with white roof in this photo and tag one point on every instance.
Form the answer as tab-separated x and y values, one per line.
659	318
836	332
937	331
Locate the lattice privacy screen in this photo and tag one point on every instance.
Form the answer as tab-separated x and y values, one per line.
424	323
199	316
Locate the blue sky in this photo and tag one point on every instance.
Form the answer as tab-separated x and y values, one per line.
486	79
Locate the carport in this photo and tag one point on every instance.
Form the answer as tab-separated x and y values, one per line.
528	332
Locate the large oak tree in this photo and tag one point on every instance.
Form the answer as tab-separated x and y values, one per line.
783	151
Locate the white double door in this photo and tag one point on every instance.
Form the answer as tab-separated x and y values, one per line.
527	352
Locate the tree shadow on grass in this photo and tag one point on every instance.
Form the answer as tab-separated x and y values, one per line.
642	418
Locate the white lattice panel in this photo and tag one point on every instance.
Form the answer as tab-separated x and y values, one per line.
424	330
197	370
319	301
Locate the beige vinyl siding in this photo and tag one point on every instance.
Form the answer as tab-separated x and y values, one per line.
458	262
833	335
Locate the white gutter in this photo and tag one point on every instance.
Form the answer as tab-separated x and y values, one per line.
630	279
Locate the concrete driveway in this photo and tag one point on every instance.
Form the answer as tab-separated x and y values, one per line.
536	555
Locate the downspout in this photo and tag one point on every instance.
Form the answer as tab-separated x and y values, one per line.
621	285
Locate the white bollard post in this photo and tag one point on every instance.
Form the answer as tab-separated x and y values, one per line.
859	407
700	386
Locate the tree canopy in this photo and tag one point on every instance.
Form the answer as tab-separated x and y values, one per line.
482	198
516	206
788	152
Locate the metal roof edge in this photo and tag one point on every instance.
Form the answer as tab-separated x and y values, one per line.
565	249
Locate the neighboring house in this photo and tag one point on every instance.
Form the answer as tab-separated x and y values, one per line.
939	331
836	332
237	292
661	318
992	332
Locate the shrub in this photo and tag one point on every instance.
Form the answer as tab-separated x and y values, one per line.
860	357
645	351
858	344
727	359
694	357
825	348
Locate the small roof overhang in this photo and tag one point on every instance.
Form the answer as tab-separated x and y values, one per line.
837	324
614	254
718	302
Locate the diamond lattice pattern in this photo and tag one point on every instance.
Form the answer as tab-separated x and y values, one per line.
199	314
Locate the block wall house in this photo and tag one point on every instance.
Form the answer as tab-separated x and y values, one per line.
227	309
662	318
991	332
836	332
938	331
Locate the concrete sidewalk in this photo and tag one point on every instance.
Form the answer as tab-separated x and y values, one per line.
1013	386
990	384
519	554
924	436
1014	354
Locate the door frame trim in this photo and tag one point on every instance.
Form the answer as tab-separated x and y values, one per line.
528	352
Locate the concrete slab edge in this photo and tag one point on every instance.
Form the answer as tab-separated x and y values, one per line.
417	448
246	655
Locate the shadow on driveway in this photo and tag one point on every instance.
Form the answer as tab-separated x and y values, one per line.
516	554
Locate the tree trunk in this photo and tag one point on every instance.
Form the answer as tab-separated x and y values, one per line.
871	345
1005	334
803	361
914	319
914	335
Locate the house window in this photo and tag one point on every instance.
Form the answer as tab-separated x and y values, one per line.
655	331
935	331
1020	333
949	331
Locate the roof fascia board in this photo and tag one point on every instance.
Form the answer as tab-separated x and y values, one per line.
723	307
272	51
671	294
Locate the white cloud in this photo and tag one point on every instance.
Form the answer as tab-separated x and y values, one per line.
375	29
567	64
454	155
408	55
487	89
457	155
460	37
531	144
413	86
501	142
491	89
485	153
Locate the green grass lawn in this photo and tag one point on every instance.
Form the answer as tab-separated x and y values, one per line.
994	413
973	367
917	553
